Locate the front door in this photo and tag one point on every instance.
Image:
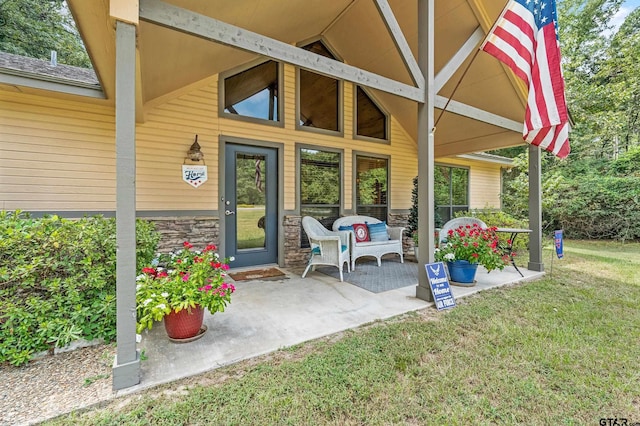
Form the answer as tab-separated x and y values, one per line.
251	205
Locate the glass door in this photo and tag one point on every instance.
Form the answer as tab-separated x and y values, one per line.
250	205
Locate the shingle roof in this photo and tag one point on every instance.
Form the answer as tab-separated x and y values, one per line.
43	70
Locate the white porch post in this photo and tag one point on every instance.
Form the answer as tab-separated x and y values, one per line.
535	210
126	367
426	225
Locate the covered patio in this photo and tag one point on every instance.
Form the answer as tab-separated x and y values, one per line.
269	315
163	66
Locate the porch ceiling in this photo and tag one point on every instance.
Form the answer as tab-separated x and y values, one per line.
353	29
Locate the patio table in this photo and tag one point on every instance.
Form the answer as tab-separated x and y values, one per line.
508	247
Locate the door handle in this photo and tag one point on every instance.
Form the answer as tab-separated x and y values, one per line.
229	212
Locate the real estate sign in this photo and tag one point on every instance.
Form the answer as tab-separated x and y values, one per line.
442	295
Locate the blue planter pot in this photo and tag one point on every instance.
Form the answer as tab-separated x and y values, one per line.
462	271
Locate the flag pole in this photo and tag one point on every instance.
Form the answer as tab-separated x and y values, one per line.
475	55
455	89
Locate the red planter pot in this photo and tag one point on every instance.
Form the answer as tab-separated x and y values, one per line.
184	324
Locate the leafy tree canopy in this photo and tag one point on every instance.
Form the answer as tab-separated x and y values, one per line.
36	27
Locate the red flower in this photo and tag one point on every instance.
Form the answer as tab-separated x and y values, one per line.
187	245
148	271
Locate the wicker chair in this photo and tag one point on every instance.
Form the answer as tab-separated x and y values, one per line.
455	223
329	248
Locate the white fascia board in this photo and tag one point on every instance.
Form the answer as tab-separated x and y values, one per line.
487	158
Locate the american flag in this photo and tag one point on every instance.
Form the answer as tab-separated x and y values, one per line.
525	38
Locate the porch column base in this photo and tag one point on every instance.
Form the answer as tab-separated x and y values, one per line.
127	374
424	293
535	266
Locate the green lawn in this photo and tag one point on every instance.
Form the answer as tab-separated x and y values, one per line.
563	350
249	235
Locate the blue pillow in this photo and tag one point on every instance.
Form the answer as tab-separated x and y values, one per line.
316	249
378	231
345	228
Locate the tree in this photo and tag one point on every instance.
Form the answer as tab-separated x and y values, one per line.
36	27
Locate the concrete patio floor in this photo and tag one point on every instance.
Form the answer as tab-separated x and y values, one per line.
265	316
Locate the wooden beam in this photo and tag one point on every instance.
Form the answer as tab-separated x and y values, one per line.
478	114
126	368
124	11
426	146
189	22
458	59
401	42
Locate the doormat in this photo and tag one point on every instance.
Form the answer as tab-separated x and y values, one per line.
257	274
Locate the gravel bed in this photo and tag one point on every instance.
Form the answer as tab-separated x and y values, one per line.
55	384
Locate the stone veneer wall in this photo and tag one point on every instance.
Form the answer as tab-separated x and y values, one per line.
402	219
294	255
174	231
200	231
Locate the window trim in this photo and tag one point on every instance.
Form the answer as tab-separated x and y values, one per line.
354	186
299	147
239	69
340	131
451	205
377	103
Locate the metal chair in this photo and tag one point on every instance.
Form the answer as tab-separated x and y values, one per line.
328	248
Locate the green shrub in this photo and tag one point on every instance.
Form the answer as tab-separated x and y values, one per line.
600	207
58	280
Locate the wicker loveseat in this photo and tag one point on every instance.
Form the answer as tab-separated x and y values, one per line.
391	242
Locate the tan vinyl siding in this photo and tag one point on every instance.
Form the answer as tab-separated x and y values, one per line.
162	144
55	154
60	155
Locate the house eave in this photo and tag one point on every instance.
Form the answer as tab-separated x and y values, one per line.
19	78
487	158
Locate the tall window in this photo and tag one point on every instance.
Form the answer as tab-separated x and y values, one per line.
253	92
319	96
371	121
451	190
372	177
320	187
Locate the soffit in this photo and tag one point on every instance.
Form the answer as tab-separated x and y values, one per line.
353	29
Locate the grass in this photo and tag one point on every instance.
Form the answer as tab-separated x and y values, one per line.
249	235
562	350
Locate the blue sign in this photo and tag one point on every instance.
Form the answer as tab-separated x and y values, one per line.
557	236
437	276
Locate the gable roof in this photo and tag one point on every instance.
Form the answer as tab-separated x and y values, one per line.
41	74
486	111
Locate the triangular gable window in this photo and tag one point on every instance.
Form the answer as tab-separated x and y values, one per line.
319	105
371	120
253	92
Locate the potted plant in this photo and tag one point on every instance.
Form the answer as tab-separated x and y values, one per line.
468	246
178	286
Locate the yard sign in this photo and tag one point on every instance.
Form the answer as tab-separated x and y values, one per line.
557	237
439	283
